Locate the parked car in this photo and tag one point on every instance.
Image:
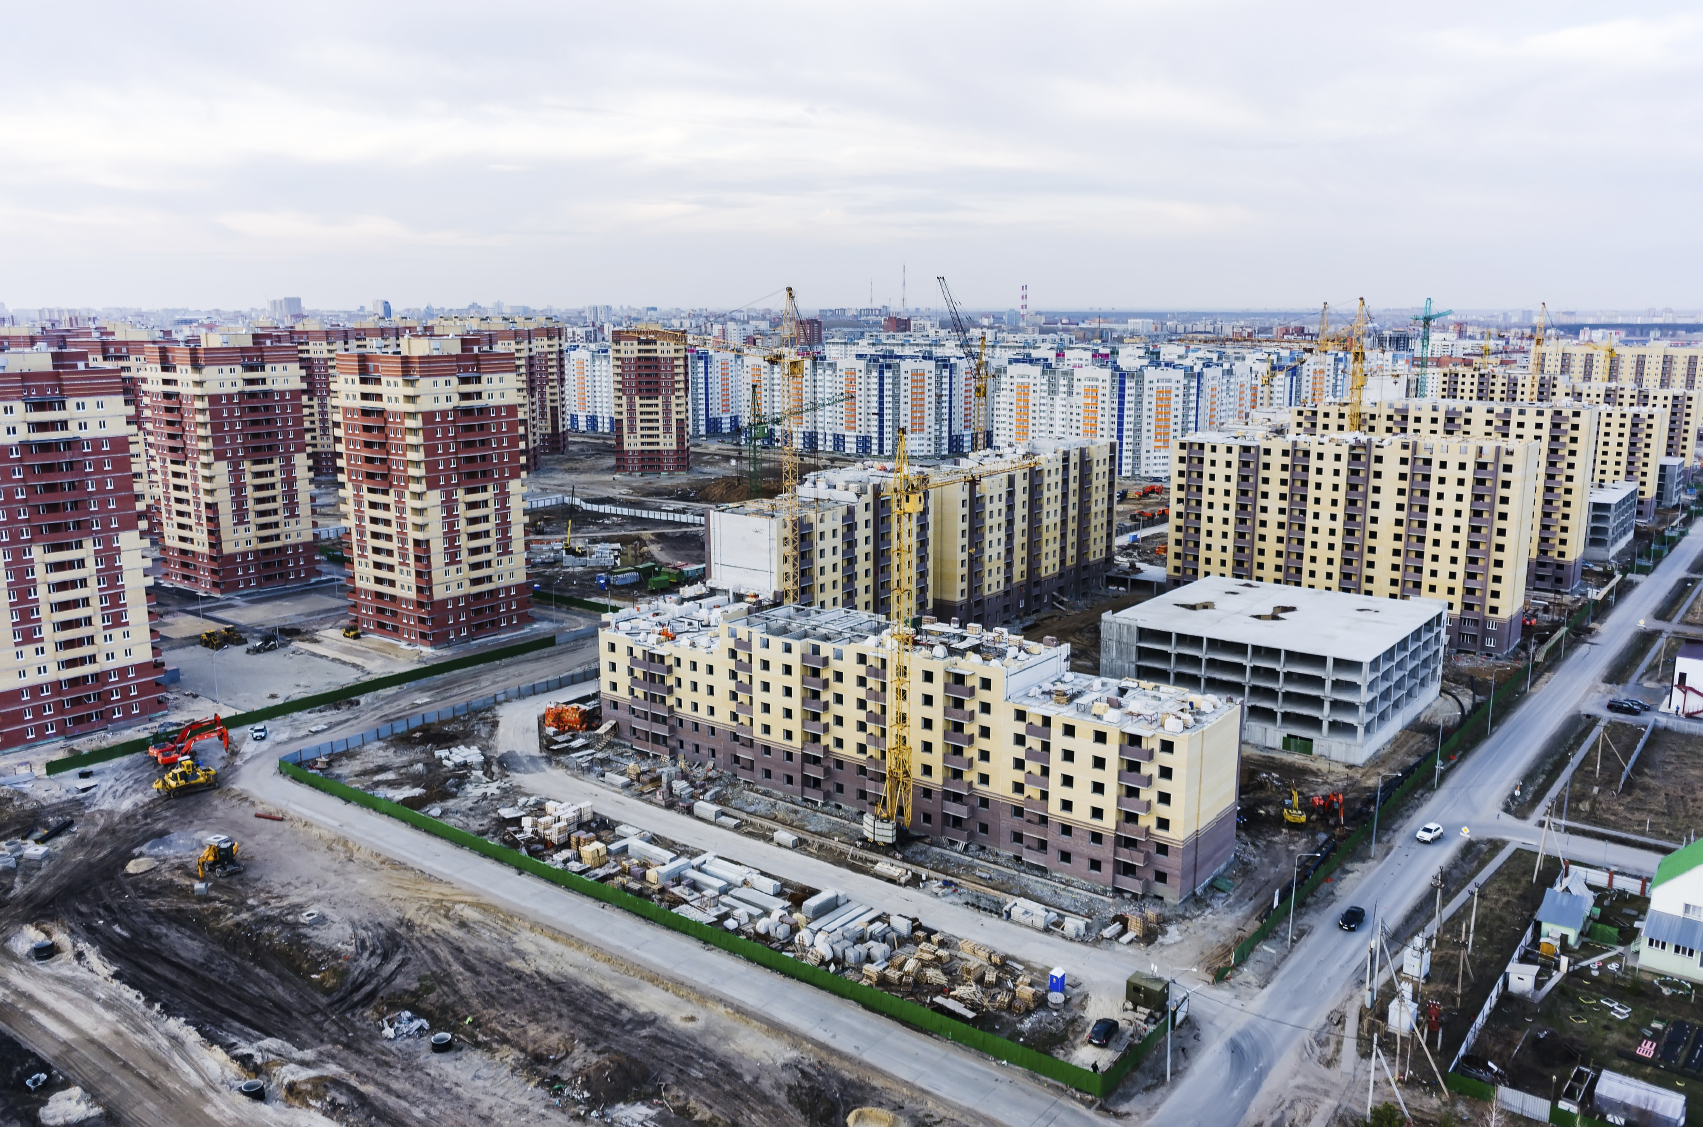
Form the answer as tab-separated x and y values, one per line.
1103	1031
1641	706
1352	918
1482	1070
1624	707
258	732
1430	832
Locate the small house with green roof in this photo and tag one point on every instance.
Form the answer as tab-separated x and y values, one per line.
1673	930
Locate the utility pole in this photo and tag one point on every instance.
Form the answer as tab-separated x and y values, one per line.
1460	967
1472	934
1294	871
1437	768
1542	840
1437	883
1170	1020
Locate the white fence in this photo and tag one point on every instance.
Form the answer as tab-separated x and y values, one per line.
1619	882
555	500
1490	1004
1523	1103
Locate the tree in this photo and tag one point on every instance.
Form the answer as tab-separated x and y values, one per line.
1387	1114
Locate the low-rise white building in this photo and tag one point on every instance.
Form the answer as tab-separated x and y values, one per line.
1611	514
1321	672
1673	929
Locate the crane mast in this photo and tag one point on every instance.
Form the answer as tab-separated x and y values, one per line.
1357	367
906	493
976	357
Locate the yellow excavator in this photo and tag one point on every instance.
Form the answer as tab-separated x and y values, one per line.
1293	812
219	858
186	777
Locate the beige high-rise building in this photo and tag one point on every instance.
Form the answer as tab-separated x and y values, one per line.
998	549
1569	433
1390	516
1650	366
1124	786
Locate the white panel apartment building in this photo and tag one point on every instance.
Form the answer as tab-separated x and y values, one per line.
588	389
717	390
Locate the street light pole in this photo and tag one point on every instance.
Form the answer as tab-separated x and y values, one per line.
1294	881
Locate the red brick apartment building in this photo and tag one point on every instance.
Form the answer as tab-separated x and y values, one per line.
82	655
227	463
650	401
434	451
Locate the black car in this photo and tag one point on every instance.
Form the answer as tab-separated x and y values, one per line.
1103	1032
1625	707
1352	919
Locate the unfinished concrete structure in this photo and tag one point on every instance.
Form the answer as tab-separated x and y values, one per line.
1321	672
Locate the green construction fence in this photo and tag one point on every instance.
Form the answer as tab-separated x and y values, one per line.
921	1017
313	700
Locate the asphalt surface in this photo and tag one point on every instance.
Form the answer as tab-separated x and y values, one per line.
1250	1042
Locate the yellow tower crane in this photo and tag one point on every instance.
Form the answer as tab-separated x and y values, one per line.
906	492
1357	367
787	506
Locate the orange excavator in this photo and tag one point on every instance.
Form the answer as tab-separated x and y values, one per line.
168	749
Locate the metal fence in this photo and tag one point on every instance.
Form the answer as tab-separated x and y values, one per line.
573	677
1489	1003
555	500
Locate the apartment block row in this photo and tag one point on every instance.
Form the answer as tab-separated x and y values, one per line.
1121	785
1035	526
1388	516
83	653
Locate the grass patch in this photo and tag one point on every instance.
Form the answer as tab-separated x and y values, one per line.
1553	762
1678	599
1630	657
1664	797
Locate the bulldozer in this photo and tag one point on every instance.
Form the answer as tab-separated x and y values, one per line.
219	858
186	778
351	631
219	639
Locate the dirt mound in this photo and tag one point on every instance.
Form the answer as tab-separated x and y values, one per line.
724	489
613	1078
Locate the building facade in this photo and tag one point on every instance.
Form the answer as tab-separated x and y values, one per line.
433	446
83	653
1388	516
649	367
225	439
1121	786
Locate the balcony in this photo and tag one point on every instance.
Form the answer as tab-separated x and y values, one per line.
1139	754
962	692
875	719
952	759
1135	857
875	673
955	809
960	715
814	704
873	741
816	683
1135	779
1039	782
742	689
815	726
1038	732
742	709
816	661
961	739
874	697
1036	755
742	666
1134	805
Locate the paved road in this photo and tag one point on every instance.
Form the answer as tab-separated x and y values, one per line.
989	1092
1251	1041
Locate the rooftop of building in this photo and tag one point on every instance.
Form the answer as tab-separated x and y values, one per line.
1613	491
1305	619
1037	675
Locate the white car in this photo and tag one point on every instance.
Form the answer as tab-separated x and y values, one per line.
258	732
1429	832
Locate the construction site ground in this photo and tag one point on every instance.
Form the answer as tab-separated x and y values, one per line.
1663	797
159	1002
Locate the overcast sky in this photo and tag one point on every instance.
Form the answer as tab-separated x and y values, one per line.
1132	155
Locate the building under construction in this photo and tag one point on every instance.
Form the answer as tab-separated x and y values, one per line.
1126	785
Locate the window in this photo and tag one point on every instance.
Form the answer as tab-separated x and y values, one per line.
1064	856
1093	866
1164	798
1694	911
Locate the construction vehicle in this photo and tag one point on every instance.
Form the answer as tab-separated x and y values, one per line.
186	778
977	357
1294	811
906	490
219	639
664	579
265	645
572	717
219	858
351	631
168	749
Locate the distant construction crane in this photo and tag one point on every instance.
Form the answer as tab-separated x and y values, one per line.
1357	368
1424	320
976	357
757	428
906	491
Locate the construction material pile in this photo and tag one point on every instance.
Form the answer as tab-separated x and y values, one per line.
461	756
557	824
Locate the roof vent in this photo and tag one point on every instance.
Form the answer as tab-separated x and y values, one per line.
1195	606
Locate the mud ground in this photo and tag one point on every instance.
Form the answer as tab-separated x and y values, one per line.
286	971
